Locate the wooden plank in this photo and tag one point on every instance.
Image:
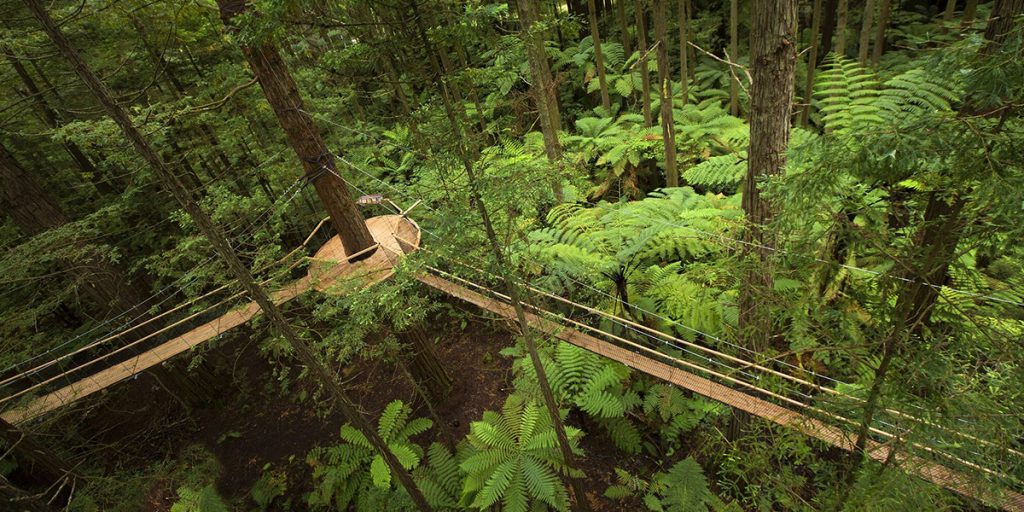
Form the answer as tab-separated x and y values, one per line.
923	468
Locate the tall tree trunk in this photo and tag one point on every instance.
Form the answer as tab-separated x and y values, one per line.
684	68
734	84
812	59
865	32
947	15
424	365
668	127
304	352
627	43
970	9
645	71
302	135
829	26
885	11
844	15
543	89
595	35
772	58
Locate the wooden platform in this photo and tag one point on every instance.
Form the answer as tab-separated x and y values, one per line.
329	271
911	464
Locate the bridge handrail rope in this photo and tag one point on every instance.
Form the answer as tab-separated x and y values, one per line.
162	330
882	452
733	380
247	231
123	348
626	323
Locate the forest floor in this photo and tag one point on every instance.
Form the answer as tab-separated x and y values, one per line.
252	426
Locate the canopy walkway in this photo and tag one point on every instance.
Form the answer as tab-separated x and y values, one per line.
329	269
332	271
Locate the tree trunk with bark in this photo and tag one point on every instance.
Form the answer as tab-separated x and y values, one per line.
543	89
865	32
627	43
184	197
34	211
812	59
734	84
645	71
317	159
772	59
424	364
668	127
884	13
841	21
684	68
49	115
595	35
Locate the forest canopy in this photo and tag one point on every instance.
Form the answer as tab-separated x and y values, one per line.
535	255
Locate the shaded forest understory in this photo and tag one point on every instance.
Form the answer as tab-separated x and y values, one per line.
811	206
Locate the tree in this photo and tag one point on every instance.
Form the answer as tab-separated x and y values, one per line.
223	248
734	38
885	11
36	464
812	60
640	10
773	59
684	70
595	36
865	32
843	16
543	89
668	129
304	138
35	211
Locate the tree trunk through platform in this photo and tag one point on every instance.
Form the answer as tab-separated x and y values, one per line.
317	160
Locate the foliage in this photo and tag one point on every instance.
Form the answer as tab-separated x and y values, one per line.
352	473
684	488
513	458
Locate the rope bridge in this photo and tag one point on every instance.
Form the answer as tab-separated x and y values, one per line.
397	235
329	268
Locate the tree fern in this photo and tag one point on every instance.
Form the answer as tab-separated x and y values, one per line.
353	472
684	488
719	173
513	459
204	499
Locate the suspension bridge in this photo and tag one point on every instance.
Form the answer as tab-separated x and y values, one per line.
331	270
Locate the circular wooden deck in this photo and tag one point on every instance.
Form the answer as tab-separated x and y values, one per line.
331	272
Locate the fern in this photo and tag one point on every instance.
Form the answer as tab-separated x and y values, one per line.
440	479
353	472
513	459
719	173
684	488
204	499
